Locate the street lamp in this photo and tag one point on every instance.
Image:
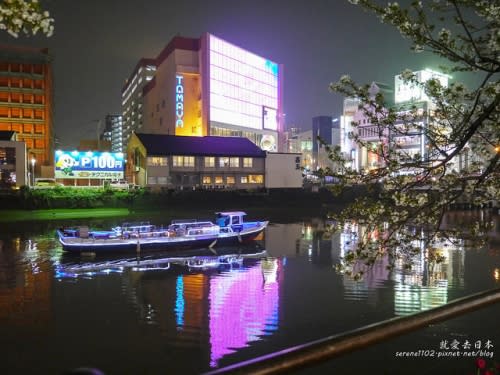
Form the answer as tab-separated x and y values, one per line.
33	162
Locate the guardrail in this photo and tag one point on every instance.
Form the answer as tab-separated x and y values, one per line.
332	346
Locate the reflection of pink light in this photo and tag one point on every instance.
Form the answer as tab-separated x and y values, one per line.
242	308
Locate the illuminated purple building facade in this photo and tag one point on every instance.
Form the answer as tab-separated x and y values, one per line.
208	86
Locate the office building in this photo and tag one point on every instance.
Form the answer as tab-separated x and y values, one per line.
132	101
26	100
114	126
324	129
207	86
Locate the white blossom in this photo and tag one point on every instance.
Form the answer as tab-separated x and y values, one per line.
345	79
25	16
444	34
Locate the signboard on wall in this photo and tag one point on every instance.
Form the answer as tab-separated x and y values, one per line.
269	118
89	165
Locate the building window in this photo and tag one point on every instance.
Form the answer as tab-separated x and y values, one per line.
247	162
209	161
162	180
219	180
255	179
244	179
230	180
163	103
151	180
182	161
206	180
189	161
157	161
177	161
224	161
234	162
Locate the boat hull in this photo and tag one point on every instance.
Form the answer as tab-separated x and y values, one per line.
138	245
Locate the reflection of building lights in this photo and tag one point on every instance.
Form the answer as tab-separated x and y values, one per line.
496	274
241	309
270	270
179	302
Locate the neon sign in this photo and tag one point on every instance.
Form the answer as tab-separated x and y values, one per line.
179	102
89	165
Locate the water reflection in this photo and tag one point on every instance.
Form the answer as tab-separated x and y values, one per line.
213	307
238	292
426	285
243	307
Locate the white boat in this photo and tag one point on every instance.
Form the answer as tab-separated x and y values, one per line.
229	229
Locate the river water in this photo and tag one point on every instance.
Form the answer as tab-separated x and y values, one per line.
194	312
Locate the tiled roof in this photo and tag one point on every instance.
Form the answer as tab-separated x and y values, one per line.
158	145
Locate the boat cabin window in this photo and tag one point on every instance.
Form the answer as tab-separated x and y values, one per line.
236	220
222	220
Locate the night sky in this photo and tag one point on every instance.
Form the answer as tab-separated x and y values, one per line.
97	44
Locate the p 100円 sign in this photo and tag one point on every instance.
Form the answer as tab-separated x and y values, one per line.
89	165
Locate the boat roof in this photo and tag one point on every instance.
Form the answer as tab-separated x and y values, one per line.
234	213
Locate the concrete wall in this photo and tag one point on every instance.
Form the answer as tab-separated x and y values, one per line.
283	170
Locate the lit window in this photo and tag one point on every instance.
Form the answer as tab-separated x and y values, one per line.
224	162
157	161
219	180
209	161
151	180
162	180
234	162
189	161
207	180
256	179
244	179
182	161
230	180
177	161
247	162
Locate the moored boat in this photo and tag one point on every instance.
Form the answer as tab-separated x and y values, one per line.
229	229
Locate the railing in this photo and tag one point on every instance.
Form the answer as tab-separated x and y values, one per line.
327	348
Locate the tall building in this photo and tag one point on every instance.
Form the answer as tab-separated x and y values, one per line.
208	86
363	157
132	100
114	125
409	141
328	129
414	141
26	99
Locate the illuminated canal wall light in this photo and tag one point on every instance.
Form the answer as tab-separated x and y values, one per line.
179	102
